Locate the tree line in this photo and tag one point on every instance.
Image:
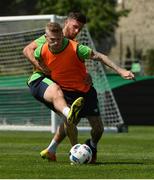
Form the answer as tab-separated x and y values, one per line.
102	15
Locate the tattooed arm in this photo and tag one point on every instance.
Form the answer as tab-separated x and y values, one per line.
105	60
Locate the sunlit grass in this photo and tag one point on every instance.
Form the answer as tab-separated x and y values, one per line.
124	155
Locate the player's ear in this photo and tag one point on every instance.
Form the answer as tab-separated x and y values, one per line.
65	22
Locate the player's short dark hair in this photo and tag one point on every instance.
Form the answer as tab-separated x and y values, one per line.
77	16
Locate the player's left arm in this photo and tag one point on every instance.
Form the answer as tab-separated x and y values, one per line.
42	66
105	60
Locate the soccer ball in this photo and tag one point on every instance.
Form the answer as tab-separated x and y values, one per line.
80	154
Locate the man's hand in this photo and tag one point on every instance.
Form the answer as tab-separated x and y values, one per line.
126	74
28	51
44	68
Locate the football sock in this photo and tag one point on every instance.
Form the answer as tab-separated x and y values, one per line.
52	146
66	111
94	145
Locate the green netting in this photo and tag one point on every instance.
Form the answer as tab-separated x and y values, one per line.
13	82
18	107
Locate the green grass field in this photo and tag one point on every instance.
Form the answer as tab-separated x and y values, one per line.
124	155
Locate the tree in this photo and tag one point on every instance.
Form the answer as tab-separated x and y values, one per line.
17	7
101	14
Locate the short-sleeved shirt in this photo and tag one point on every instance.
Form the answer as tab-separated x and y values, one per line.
82	51
41	40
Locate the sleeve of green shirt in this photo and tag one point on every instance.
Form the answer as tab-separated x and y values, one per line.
83	51
37	52
41	40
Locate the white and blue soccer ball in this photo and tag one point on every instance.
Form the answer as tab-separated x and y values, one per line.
80	154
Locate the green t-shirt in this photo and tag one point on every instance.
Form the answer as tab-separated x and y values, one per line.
41	40
82	51
136	67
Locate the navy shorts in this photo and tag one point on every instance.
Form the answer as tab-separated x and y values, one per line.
90	108
37	89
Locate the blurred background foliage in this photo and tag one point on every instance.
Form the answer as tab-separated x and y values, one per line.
149	56
102	15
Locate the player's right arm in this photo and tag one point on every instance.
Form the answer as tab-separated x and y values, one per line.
28	51
84	52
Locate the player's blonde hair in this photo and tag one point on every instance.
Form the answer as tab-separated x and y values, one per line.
53	27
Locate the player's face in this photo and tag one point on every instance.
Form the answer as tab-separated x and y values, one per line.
54	40
72	28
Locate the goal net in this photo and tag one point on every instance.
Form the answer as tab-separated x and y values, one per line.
18	108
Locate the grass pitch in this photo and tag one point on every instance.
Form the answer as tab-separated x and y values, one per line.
124	155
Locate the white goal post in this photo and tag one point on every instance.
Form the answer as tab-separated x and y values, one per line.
20	110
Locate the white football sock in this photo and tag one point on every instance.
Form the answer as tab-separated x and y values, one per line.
52	146
66	111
